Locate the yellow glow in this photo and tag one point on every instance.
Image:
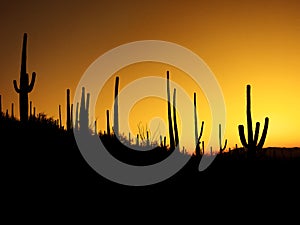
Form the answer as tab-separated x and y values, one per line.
243	42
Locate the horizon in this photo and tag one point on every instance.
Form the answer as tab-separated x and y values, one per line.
258	48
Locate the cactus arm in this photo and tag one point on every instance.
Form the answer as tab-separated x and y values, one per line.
225	144
201	132
16	86
256	133
30	87
220	140
242	136
264	134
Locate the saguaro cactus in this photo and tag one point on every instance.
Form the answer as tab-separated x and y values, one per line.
0	105
77	117
220	140
25	86
107	123
116	107
68	111
84	111
197	135
175	120
171	134
252	147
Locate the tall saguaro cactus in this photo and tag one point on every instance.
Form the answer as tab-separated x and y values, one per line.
171	134
175	120
107	123
197	135
68	111
0	105
252	146
25	86
116	107
84	111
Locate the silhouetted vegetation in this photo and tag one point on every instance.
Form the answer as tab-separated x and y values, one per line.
44	150
252	147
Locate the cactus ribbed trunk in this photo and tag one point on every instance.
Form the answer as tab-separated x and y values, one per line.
171	134
116	107
25	87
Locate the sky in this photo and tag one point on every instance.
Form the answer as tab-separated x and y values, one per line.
242	42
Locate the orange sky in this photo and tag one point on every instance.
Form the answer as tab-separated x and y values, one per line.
243	42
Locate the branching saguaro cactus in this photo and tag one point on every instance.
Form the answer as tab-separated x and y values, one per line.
116	107
220	140
25	86
84	111
171	133
252	147
197	135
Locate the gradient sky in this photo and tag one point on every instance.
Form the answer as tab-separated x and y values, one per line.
243	42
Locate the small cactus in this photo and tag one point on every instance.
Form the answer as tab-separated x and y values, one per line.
220	140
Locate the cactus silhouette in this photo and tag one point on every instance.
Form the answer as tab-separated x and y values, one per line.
84	111
220	140
116	107
198	150
59	114
175	120
25	87
197	136
0	105
12	111
252	147
107	122
77	117
171	134
68	111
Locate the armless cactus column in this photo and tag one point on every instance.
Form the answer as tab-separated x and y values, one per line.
171	134
116	108
252	147
25	86
68	111
175	120
84	111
